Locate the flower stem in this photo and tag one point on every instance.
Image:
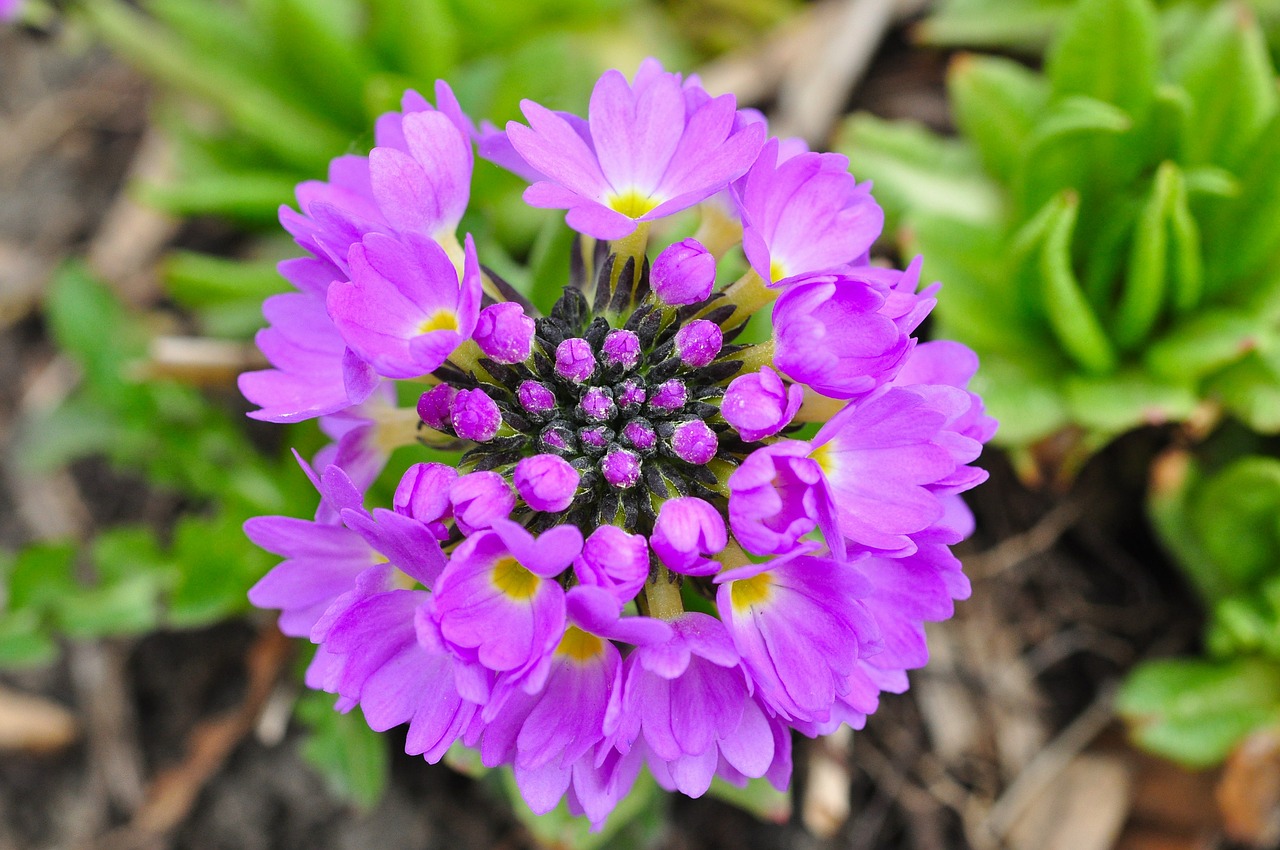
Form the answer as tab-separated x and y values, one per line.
717	231
631	246
467	358
398	426
663	595
747	294
818	407
753	357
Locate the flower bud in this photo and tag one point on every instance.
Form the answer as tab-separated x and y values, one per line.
760	405
694	442
621	347
684	273
435	405
574	360
621	468
698	343
504	333
688	529
546	482
475	416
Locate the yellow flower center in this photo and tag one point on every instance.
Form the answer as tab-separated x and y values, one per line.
514	580
823	457
747	592
579	645
632	203
777	271
440	320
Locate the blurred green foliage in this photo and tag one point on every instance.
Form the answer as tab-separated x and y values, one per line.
1223	527
132	579
1027	26
1108	231
261	94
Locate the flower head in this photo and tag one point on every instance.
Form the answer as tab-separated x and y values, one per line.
628	463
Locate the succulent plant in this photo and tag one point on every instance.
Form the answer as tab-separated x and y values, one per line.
1108	231
1222	525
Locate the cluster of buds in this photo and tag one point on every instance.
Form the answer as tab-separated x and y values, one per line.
663	546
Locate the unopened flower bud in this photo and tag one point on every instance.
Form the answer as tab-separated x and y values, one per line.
504	333
698	343
684	273
574	360
475	416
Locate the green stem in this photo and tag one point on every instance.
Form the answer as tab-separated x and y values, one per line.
717	231
467	358
663	596
818	408
631	246
747	294
753	357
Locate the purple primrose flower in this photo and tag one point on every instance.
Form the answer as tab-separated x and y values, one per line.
634	538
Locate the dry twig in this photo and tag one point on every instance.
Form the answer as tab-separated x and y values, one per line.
1013	551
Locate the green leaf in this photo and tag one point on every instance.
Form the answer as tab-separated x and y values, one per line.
1250	390
1203	343
217	565
1117	403
91	325
981	306
1175	480
1022	25
1143	293
342	748
1186	256
1107	251
995	102
24	642
213	26
1245	625
126	606
1109	51
1233	514
41	575
291	133
317	43
1195	711
1027	402
758	796
1066	150
913	169
249	197
1212	181
1227	72
199	280
1244	238
419	37
1069	314
1077	115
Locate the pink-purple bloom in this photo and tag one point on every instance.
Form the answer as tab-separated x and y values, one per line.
641	157
628	465
805	214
